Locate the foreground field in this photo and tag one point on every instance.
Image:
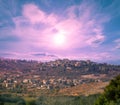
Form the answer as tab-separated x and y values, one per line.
77	95
84	89
59	100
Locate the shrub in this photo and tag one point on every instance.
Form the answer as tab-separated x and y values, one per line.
111	95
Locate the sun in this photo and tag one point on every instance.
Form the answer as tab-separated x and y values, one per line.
59	39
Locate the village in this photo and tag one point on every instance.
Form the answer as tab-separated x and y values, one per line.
50	75
14	81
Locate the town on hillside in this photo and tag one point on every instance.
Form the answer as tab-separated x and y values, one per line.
23	76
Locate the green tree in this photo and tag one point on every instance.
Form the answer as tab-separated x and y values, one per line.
111	95
10	99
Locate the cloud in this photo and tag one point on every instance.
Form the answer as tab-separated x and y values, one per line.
40	56
117	41
93	56
83	26
36	30
28	29
118	46
37	26
36	15
96	41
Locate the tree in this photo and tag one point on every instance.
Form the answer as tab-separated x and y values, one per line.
111	95
10	99
21	102
1	103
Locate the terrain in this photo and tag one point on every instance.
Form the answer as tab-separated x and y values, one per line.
53	83
59	77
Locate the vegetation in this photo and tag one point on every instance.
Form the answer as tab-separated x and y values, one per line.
43	100
7	99
66	100
111	95
58	68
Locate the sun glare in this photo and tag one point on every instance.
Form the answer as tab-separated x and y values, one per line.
59	40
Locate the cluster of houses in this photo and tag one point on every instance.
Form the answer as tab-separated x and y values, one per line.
49	75
18	81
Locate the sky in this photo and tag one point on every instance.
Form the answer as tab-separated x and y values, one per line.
57	29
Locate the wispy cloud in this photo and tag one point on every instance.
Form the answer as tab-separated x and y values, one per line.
35	15
38	28
117	41
81	25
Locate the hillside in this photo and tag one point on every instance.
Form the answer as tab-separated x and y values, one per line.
84	89
65	67
68	77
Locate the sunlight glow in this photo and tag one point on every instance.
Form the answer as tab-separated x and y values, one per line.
59	39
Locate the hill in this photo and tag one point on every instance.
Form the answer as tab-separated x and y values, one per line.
65	67
25	77
84	89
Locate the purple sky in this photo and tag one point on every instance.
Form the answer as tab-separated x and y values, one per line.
48	29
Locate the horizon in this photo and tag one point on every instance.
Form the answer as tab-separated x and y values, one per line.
61	59
45	30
